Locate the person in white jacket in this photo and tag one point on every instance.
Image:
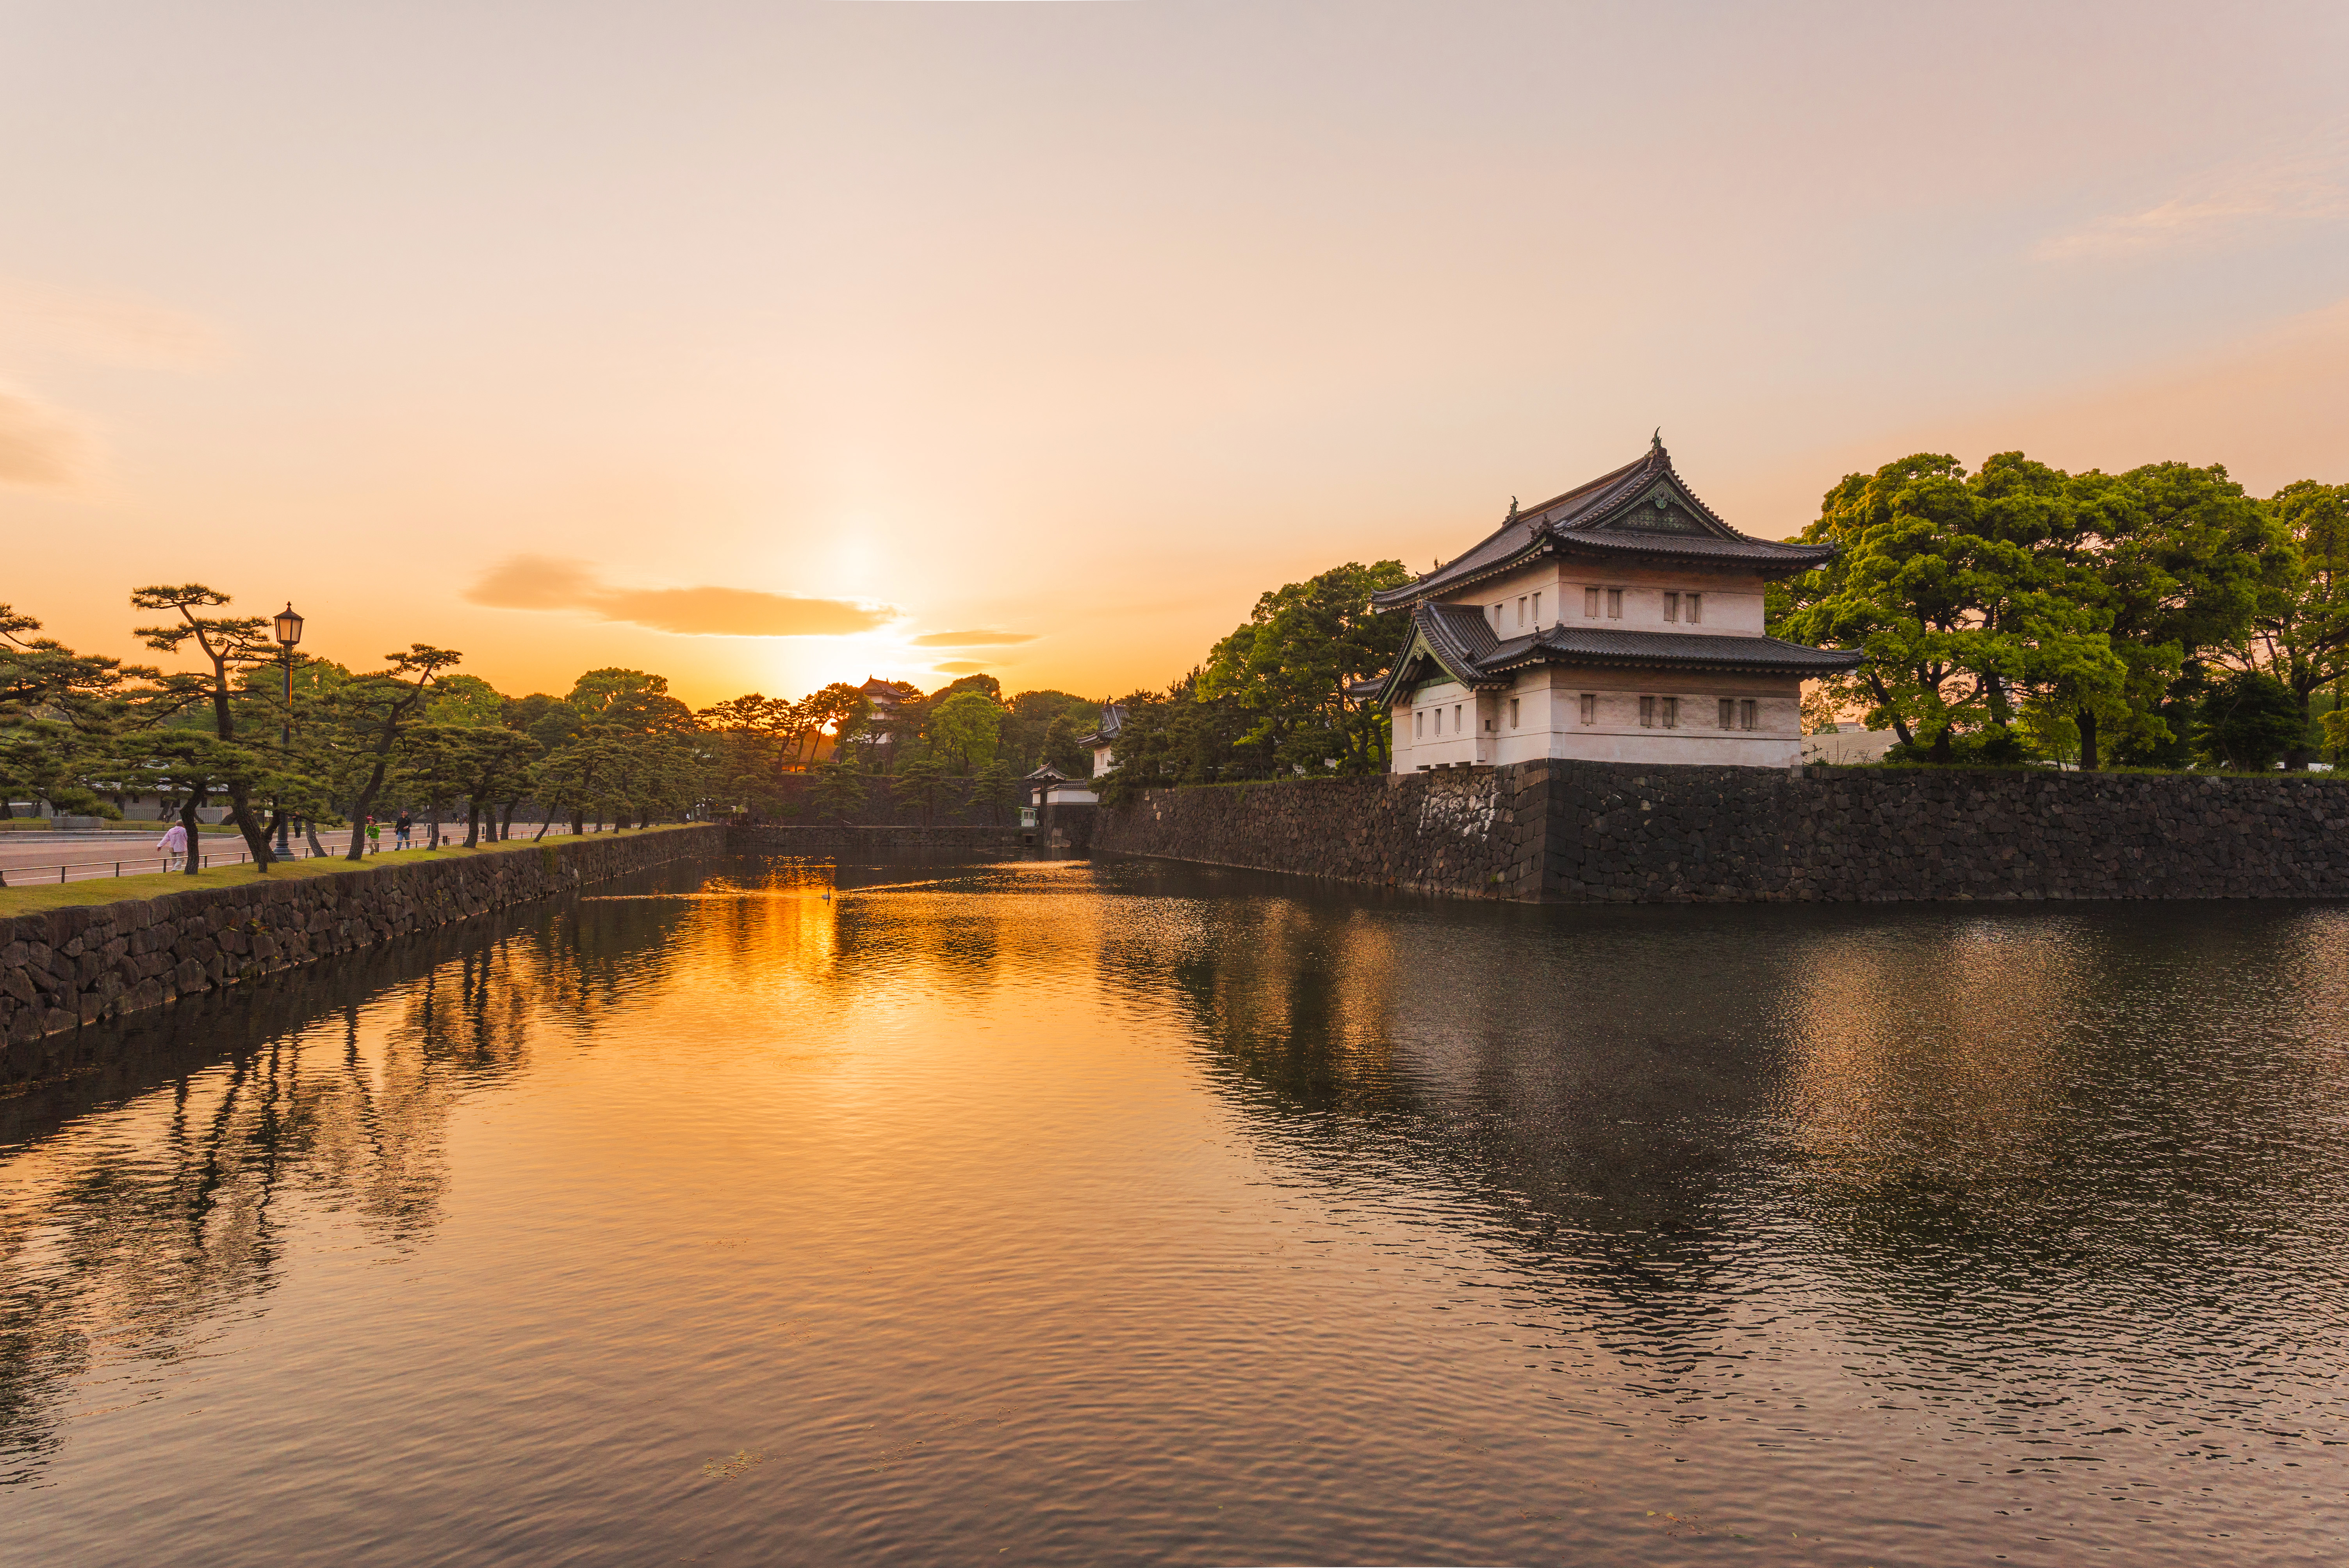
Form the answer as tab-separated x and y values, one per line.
174	845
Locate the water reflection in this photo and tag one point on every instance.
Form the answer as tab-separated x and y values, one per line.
137	1222
1068	1214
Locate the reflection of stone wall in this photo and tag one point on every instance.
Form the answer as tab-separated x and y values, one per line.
71	967
1583	831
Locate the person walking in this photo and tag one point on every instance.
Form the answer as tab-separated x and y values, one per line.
375	835
174	845
400	831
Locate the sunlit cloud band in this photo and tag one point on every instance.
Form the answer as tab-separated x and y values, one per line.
550	582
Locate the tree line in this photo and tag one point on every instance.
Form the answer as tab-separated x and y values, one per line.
838	753
2162	617
1271	699
84	733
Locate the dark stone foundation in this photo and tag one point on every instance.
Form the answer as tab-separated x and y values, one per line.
1594	832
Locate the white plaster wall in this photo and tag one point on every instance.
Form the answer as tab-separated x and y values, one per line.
1549	718
1550	721
1418	743
1516	619
1733	603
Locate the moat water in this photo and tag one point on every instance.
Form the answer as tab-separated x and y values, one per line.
1059	1214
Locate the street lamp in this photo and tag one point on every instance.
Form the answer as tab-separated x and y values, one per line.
289	632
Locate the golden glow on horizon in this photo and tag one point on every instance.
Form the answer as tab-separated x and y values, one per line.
1088	325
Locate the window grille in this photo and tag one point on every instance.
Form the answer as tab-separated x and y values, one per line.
1671	606
1591	708
1614	603
1745	714
1672	713
1419	725
1521	609
1695	608
1647	713
1590	602
1536	609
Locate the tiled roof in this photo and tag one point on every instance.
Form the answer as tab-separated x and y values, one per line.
1460	643
1576	644
1113	719
1611	516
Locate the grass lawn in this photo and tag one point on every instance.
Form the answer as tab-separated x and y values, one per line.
42	896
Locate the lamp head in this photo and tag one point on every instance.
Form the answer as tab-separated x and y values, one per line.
289	627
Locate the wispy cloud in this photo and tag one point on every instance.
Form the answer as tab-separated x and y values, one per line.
39	445
551	583
2226	210
122	328
961	668
981	639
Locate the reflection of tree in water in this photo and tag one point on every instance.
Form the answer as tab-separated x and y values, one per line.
2070	1137
141	1215
2003	1151
1546	1061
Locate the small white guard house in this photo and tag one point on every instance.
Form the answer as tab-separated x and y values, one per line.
1621	622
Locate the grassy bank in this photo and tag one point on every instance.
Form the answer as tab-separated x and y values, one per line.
14	901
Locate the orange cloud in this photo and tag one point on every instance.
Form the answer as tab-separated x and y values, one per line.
550	582
981	639
961	668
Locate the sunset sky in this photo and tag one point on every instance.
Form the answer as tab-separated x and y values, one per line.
770	344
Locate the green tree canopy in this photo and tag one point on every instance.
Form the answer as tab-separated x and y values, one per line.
1289	666
964	730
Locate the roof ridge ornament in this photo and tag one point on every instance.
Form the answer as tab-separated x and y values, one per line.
1656	441
1513	511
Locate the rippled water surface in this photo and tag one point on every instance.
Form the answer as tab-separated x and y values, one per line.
1071	1214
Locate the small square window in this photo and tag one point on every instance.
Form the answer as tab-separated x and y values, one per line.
1728	713
1591	708
1614	603
1590	602
1745	714
1695	608
1521	609
1647	713
1513	713
1671	606
1672	713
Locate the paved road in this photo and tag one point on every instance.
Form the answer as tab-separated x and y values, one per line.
36	857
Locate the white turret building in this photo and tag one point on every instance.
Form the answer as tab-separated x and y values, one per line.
1620	621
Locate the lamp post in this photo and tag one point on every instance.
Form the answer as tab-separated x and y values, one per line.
289	632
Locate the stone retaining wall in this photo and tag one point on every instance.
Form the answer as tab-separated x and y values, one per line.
62	968
1463	829
1585	831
